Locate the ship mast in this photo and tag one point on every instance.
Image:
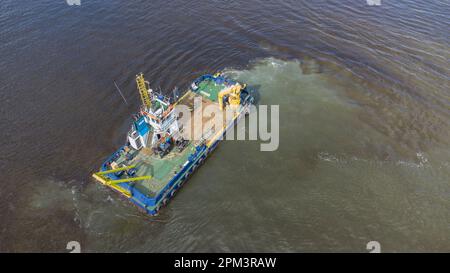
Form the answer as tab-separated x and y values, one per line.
143	91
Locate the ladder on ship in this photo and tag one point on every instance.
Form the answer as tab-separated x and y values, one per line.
143	91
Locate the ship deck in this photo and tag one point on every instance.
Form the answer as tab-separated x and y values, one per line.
210	90
163	169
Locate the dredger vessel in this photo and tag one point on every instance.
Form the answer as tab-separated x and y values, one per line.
160	152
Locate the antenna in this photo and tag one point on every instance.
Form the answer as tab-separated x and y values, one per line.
160	90
175	93
120	92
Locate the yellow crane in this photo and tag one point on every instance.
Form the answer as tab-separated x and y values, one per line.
105	180
143	90
233	93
